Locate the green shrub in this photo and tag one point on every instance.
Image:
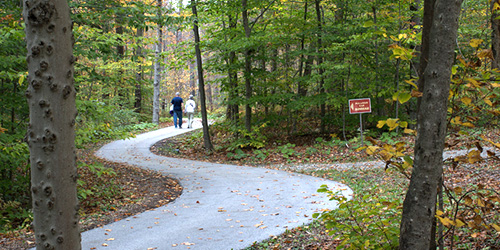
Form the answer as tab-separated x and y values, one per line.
13	215
94	185
370	221
287	150
237	155
254	139
14	169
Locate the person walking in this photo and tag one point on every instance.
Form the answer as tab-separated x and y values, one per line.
189	109
177	103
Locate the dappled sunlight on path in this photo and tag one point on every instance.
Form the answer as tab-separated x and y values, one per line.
222	206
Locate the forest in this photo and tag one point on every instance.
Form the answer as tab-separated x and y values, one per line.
272	70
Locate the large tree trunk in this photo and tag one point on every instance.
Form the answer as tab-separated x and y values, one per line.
157	78
201	83
51	135
419	205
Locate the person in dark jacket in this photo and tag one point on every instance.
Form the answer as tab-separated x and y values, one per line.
177	103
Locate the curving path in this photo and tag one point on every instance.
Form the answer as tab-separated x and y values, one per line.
222	206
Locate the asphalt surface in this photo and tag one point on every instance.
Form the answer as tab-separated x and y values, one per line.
221	207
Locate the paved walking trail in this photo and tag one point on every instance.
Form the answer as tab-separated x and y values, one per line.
222	206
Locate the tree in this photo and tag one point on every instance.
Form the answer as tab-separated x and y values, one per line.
495	33
51	136
248	67
157	77
420	201
201	83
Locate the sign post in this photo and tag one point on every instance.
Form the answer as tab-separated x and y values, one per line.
360	106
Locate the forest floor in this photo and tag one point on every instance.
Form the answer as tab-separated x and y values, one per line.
143	190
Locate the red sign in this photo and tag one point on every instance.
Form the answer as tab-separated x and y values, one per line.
360	106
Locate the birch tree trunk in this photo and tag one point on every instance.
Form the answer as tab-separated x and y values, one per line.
51	135
157	77
419	205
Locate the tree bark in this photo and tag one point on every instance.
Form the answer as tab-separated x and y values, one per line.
233	107
420	201
320	66
51	135
495	34
424	50
157	69
138	74
201	83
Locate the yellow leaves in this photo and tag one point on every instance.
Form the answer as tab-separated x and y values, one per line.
400	52
392	123
371	150
466	100
21	79
497	145
2	130
457	120
401	96
496	227
458	190
485	53
473	83
488	101
496	6
446	221
468	201
459	223
474	156
409	131
412	83
474	43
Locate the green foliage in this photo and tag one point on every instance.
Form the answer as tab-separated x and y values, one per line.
14	215
97	121
253	139
14	183
237	155
260	154
368	221
287	150
311	151
93	192
14	168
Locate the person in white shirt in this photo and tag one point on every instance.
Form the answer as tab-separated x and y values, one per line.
189	110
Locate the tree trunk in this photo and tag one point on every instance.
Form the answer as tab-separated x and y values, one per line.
320	66
51	135
495	34
248	68
192	78
201	84
233	80
424	50
138	74
419	204
157	78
